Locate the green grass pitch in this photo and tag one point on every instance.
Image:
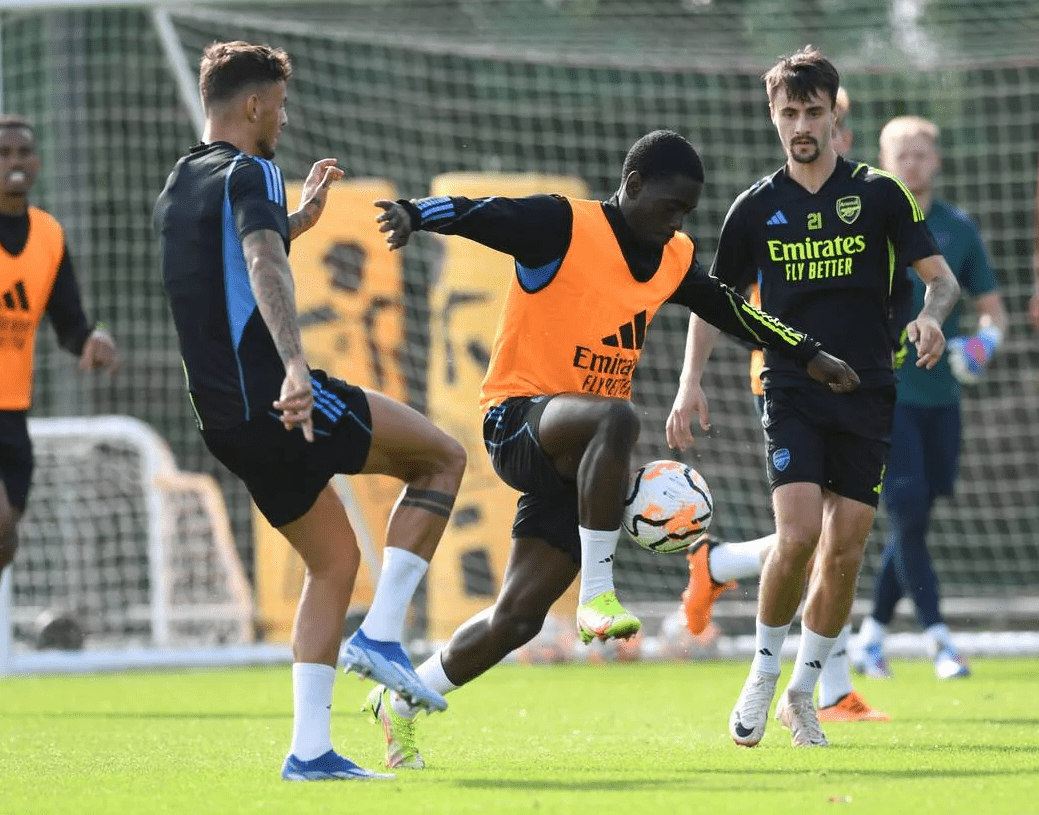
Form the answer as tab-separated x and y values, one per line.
621	738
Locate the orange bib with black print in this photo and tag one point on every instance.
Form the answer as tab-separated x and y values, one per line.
26	281
583	331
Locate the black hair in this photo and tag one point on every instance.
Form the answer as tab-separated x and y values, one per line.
13	120
663	154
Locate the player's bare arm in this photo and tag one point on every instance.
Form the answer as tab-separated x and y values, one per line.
691	399
395	220
312	200
275	293
943	292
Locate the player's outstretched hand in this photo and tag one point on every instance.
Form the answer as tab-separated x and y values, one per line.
836	373
395	220
926	334
99	352
312	199
297	398
689	400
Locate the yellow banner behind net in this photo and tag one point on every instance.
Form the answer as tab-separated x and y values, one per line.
349	294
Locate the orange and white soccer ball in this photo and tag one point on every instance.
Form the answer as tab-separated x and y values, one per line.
668	504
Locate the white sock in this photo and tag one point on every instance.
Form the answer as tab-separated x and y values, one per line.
401	573
432	674
835	680
811	655
768	643
871	632
938	636
735	561
597	548
311	709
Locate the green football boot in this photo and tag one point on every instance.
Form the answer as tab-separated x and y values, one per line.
401	751
603	617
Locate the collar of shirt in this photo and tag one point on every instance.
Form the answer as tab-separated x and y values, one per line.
14	232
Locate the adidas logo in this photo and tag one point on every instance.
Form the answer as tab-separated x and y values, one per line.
777	219
764	652
14	298
814	664
630	335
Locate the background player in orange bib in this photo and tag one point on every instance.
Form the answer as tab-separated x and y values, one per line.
36	278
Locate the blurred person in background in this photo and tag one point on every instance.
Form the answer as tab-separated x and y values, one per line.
36	278
925	438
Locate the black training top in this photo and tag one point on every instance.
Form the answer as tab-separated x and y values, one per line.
826	261
215	196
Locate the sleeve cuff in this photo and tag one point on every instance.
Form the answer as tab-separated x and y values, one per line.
805	351
413	213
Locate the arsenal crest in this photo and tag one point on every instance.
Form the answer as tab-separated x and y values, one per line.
848	208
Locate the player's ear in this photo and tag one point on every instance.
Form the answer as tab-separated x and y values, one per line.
252	107
633	184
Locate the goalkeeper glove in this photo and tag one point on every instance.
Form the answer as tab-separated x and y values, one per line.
968	356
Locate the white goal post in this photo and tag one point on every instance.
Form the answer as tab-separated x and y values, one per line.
136	556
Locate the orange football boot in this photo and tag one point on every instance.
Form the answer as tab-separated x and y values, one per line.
699	596
852	708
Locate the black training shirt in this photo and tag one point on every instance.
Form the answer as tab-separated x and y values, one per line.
215	196
826	262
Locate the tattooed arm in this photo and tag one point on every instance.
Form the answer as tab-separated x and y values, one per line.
322	175
941	295
275	293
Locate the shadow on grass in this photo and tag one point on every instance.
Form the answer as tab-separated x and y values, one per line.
783	778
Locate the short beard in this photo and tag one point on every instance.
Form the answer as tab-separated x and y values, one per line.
803	159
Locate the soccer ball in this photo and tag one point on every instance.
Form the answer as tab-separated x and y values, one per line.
667	505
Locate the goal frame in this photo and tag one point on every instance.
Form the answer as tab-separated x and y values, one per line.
159	479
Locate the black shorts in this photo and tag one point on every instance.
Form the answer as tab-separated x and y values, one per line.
285	473
15	457
838	441
547	509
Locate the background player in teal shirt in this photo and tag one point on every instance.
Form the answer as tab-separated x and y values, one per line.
925	439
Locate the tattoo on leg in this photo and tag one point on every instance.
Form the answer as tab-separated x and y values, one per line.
439	503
